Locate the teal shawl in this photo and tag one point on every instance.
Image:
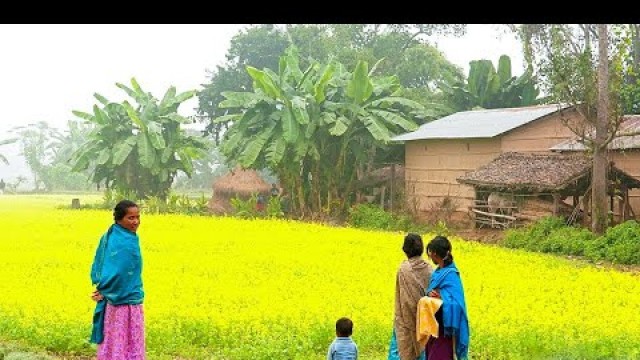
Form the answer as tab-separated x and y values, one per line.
454	309
116	273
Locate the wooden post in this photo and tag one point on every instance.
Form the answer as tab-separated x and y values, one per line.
75	203
625	204
393	185
621	204
382	197
586	219
556	204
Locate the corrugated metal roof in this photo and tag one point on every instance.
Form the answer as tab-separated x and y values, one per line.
630	125
479	123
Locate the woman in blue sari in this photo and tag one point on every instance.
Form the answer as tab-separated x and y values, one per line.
118	319
445	284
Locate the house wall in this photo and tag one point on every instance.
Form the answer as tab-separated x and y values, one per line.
538	136
432	167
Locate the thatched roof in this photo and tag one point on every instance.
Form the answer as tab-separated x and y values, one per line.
240	182
536	172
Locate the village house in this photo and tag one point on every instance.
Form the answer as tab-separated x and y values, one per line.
455	163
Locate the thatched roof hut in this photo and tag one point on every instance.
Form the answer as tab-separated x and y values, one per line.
555	175
238	182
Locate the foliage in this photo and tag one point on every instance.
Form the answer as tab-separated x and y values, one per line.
315	129
206	169
33	140
172	204
490	89
140	148
372	217
245	208
400	49
534	233
620	244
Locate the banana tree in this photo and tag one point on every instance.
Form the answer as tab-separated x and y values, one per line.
138	147
491	89
314	128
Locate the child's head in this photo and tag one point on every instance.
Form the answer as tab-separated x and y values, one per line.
344	327
412	245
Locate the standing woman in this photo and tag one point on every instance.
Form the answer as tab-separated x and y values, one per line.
118	320
412	278
445	284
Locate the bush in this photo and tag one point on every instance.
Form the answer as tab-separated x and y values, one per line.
567	240
367	216
620	244
531	236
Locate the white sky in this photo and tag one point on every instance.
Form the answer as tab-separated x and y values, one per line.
46	71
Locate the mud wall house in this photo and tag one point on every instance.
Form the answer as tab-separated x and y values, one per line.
442	150
624	153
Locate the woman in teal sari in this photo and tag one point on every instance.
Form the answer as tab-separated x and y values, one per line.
118	319
445	283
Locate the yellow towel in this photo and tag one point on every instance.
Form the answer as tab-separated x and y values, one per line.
426	324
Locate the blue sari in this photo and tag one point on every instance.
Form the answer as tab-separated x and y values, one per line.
454	309
116	273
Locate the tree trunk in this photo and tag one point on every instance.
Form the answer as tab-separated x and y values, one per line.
600	166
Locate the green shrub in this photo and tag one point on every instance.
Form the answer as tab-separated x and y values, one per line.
367	216
372	217
567	240
531	236
620	244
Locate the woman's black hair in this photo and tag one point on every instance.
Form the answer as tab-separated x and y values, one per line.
121	209
441	246
412	245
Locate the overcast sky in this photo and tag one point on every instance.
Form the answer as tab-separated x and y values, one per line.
49	70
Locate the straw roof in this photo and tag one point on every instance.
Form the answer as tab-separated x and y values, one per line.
529	171
537	172
240	182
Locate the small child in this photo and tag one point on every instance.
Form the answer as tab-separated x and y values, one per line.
343	347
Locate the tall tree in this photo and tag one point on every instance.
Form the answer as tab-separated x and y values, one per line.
315	128
138	148
400	49
574	74
600	163
34	142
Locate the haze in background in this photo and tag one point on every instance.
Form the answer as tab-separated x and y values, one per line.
49	70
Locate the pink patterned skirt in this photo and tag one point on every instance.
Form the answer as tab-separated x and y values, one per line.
123	333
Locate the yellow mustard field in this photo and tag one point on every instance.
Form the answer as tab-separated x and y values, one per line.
224	288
